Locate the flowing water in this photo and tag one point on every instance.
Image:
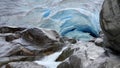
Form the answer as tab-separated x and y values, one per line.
49	61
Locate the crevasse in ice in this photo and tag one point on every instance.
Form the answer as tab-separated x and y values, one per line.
78	19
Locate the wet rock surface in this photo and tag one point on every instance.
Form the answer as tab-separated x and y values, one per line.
27	44
74	62
23	65
99	42
20	46
65	54
89	55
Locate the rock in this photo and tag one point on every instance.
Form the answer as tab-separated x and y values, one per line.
74	62
40	36
111	63
8	49
10	52
89	55
65	54
28	44
10	33
5	60
84	55
64	65
43	40
110	22
99	41
48	39
23	65
12	37
66	39
6	29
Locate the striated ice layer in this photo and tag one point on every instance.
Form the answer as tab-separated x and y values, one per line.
78	19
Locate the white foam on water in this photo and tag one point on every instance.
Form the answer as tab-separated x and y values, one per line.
49	61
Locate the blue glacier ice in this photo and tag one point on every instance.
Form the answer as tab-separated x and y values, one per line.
78	19
74	24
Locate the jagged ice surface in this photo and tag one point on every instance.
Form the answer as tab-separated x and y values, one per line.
77	19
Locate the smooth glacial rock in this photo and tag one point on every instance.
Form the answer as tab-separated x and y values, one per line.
110	23
23	65
65	54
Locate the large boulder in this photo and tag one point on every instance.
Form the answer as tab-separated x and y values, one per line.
49	40
110	24
40	36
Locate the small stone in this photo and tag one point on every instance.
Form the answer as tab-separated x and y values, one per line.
99	41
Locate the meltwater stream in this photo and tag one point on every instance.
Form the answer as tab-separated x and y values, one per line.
49	61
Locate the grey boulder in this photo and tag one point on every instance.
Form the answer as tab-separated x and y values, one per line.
110	23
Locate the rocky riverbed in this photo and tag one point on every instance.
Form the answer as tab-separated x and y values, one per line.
59	34
21	47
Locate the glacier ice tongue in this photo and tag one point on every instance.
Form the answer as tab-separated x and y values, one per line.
73	24
75	19
64	16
